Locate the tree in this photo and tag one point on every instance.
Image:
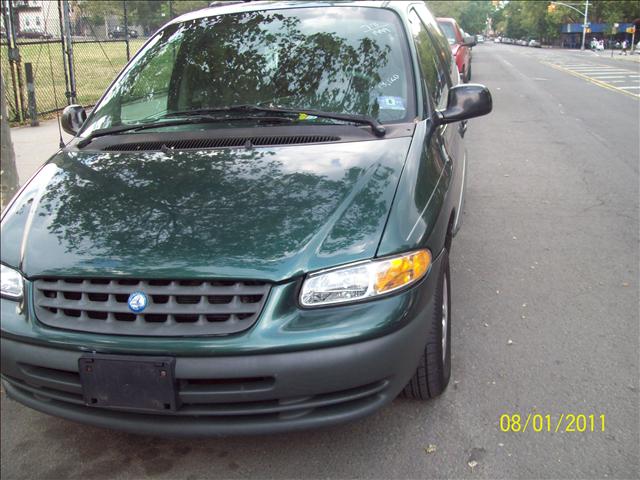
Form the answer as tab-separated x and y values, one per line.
610	11
96	12
519	18
150	14
470	14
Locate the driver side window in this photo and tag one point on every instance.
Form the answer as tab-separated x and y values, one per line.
433	77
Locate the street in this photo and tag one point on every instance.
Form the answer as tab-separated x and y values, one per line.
545	312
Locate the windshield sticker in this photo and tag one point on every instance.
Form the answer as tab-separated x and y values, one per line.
304	116
391	103
376	29
389	81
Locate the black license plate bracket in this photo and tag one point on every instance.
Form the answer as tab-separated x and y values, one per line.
129	382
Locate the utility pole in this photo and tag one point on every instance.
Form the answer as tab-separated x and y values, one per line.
8	171
71	93
584	25
14	59
65	67
126	28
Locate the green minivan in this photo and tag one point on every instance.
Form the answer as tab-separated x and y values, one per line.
250	232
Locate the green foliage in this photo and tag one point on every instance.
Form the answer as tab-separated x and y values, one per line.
471	14
526	19
96	12
531	18
610	11
515	18
150	14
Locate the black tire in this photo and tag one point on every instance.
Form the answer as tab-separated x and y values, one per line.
433	372
468	74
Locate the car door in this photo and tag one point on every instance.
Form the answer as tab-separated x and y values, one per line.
438	67
452	137
435	88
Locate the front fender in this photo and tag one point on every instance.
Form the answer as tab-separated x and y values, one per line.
421	208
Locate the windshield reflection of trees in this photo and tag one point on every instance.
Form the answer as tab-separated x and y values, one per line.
260	57
198	206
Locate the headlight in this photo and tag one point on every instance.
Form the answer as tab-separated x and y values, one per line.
364	280
11	283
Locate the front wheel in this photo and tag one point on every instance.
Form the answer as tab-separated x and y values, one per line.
434	370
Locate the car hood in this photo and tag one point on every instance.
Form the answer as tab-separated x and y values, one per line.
262	213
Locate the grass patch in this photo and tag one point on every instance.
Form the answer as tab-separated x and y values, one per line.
96	65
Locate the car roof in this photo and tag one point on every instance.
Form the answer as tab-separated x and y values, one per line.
237	7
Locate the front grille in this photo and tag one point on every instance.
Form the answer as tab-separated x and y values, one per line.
175	307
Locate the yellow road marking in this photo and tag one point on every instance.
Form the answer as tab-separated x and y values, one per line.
591	80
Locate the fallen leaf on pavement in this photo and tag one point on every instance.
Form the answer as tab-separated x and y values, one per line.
430	449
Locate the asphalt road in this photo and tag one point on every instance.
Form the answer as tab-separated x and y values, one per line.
545	285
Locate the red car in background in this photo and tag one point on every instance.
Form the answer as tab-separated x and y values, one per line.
460	46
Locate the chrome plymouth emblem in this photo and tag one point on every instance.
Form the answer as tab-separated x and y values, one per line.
137	302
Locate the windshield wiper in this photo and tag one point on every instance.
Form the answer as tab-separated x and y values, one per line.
183	121
209	115
376	127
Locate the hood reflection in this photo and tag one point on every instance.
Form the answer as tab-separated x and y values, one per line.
269	212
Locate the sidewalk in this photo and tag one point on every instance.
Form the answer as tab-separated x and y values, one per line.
35	145
635	57
630	57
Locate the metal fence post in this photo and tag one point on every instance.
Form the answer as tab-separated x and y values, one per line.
14	60
31	94
126	28
8	171
71	93
62	47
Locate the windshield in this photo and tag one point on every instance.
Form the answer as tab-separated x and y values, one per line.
449	32
334	59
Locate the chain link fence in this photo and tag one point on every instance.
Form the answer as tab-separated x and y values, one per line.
75	48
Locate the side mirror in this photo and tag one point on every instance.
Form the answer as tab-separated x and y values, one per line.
465	102
470	41
72	118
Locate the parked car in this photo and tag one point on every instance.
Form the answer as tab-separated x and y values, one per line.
472	42
251	230
119	32
34	33
535	43
480	38
460	46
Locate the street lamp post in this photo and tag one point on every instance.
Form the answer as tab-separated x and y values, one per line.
586	16
584	25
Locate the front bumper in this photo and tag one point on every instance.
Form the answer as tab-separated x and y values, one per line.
240	394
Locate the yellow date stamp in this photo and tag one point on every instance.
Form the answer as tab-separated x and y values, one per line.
548	423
